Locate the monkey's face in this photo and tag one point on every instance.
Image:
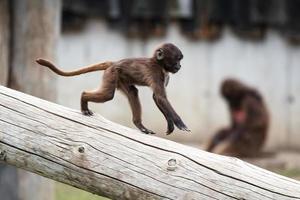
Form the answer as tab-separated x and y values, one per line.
233	91
169	56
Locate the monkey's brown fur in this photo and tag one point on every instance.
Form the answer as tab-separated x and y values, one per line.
125	74
249	122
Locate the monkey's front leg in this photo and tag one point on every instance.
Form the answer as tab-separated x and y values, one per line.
168	111
219	137
132	94
167	116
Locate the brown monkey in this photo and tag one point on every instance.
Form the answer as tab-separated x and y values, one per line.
249	122
125	74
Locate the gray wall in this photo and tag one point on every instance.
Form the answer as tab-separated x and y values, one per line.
271	65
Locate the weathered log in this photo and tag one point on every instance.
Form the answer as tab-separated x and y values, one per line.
111	160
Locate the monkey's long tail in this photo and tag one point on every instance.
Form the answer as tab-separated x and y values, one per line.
90	68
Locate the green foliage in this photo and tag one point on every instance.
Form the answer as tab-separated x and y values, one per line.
65	192
292	173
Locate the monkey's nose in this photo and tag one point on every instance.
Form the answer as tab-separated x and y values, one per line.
177	67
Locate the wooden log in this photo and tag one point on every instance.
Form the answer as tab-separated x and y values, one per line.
111	160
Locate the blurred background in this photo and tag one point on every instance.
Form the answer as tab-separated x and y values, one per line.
255	41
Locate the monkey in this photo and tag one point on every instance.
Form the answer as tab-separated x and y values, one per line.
249	122
128	73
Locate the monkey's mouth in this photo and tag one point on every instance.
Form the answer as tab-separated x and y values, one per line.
174	71
176	68
172	68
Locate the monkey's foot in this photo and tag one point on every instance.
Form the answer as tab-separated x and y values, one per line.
147	131
87	112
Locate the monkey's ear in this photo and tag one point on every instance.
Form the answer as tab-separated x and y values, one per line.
159	54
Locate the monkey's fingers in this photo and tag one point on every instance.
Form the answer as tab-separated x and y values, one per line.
187	129
180	125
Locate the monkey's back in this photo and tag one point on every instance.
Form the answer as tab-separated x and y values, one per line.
136	71
256	127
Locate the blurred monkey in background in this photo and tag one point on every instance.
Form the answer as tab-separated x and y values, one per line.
247	133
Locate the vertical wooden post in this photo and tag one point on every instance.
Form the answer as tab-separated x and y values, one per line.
35	31
4	41
8	174
36	26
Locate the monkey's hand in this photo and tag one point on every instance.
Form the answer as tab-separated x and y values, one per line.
179	124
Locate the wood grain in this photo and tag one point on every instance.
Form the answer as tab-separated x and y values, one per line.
111	160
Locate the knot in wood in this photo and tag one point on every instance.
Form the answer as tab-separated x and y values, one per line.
2	155
172	164
81	149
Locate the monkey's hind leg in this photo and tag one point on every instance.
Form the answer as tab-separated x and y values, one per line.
131	93
104	93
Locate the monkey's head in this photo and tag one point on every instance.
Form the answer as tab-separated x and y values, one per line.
169	57
233	91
